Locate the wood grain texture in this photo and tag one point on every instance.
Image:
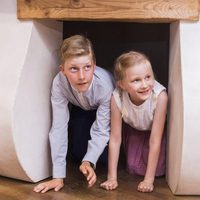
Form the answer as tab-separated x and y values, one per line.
109	10
76	188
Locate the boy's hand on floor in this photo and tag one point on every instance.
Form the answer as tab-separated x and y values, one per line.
145	186
88	172
55	184
110	184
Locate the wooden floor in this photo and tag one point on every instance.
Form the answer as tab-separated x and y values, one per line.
76	189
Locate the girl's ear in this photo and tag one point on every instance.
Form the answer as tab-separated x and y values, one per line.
120	84
94	65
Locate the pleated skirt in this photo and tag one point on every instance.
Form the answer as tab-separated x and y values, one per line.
136	147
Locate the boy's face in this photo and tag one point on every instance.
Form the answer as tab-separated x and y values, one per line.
79	72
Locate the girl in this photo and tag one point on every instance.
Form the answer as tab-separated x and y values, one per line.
142	103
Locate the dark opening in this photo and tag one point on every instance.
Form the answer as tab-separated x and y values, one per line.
110	39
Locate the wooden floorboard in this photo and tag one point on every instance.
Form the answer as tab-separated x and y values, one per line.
76	188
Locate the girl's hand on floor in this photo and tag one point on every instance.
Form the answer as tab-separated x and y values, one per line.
145	186
109	184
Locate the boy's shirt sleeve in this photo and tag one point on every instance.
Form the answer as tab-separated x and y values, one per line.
100	130
59	131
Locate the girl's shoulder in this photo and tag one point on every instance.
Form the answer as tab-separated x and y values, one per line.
117	94
158	88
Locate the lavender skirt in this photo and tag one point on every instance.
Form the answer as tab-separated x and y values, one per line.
136	146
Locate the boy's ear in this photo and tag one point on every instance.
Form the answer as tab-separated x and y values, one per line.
61	67
120	84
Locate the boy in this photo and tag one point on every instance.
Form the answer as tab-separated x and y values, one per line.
83	84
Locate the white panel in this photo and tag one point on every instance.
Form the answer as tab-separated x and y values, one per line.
175	109
29	61
184	111
190	56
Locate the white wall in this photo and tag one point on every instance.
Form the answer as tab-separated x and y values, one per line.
184	109
28	62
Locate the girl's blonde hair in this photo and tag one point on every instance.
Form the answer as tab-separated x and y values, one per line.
74	46
127	60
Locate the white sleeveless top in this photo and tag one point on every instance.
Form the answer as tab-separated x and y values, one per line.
139	117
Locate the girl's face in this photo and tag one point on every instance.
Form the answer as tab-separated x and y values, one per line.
79	72
138	82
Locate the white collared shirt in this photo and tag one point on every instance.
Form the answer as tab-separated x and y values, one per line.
96	97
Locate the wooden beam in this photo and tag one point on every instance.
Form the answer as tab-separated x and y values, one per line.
109	10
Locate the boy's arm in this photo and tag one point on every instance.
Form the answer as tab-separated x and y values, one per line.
99	134
58	141
155	142
58	135
100	130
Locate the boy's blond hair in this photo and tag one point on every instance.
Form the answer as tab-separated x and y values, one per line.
74	46
127	60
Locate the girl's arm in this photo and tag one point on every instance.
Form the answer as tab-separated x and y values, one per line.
154	143
114	147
